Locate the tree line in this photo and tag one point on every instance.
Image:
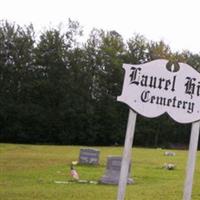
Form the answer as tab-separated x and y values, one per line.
55	89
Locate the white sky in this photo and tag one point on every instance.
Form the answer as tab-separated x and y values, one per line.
177	22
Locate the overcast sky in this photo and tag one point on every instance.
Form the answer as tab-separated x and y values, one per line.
177	22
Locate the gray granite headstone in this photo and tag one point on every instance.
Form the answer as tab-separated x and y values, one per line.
89	156
112	173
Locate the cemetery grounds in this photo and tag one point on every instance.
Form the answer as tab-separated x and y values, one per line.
39	172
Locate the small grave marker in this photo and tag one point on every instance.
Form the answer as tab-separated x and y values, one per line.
89	156
169	166
169	153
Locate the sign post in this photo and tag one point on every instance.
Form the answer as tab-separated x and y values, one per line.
126	154
155	88
191	160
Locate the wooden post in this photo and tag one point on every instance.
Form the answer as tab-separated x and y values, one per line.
126	155
191	160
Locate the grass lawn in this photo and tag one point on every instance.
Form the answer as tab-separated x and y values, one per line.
29	172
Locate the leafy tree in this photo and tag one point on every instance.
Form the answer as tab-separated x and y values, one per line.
107	78
16	64
137	50
159	50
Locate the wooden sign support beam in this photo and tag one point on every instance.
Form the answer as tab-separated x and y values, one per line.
194	138
126	155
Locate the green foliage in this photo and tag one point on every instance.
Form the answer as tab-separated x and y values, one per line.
57	90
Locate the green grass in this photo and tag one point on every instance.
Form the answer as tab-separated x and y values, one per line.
28	172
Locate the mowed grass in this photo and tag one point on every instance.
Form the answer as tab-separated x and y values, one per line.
29	172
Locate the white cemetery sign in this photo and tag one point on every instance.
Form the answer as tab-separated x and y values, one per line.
151	90
155	88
